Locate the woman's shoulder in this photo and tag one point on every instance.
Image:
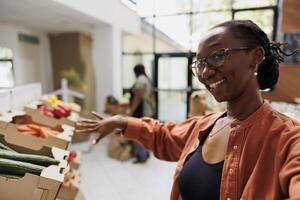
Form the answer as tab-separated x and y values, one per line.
281	118
284	125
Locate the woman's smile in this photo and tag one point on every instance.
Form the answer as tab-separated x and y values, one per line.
216	84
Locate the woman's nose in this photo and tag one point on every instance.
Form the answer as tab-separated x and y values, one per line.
205	73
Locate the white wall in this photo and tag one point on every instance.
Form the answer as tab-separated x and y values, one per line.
113	17
102	61
107	11
9	39
117	64
107	38
107	63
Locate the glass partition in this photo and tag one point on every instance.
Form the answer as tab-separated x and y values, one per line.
172	88
263	18
129	61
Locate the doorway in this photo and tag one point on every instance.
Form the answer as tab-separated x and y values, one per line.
173	83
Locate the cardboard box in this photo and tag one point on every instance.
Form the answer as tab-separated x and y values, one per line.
80	137
197	103
33	187
116	109
23	145
37	116
70	192
11	134
202	102
79	196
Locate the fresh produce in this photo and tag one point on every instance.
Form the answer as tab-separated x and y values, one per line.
65	108
11	176
2	146
70	178
15	165
30	158
72	156
59	110
110	99
19	168
45	111
53	100
36	130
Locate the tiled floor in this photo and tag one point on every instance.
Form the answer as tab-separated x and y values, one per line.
103	178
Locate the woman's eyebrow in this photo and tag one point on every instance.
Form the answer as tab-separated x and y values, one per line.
211	47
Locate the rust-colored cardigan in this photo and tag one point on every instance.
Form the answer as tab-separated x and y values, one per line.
263	154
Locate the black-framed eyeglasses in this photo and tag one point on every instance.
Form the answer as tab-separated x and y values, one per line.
214	59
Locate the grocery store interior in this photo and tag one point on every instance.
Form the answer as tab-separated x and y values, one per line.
62	59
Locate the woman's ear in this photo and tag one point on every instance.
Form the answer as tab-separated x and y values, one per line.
258	56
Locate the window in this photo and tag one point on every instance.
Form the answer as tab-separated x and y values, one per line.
6	68
239	4
263	18
129	61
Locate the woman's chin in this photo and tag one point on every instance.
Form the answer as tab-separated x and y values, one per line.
220	98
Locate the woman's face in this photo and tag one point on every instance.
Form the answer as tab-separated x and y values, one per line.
231	78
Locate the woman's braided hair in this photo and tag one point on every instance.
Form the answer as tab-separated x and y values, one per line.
268	69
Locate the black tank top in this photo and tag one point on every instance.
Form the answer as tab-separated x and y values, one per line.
199	180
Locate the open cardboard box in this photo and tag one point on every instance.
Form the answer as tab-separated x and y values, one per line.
33	187
35	114
23	145
69	193
11	134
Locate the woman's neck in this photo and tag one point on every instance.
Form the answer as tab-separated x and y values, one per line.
244	106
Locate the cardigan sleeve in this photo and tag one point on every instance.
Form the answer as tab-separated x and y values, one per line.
290	172
165	140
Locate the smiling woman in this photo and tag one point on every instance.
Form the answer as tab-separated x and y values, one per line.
225	155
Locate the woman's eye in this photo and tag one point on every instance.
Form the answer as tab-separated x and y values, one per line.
217	57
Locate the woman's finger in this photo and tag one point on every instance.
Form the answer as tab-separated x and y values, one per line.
85	125
97	115
97	139
90	121
87	130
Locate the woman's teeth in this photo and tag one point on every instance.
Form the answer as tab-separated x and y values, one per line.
216	84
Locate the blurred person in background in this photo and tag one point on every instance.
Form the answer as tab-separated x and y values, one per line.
250	151
140	105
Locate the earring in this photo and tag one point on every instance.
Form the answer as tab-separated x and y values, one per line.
256	67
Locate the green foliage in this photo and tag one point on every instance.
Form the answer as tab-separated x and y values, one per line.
74	79
110	99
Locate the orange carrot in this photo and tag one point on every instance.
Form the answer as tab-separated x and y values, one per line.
29	132
44	132
34	127
23	128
